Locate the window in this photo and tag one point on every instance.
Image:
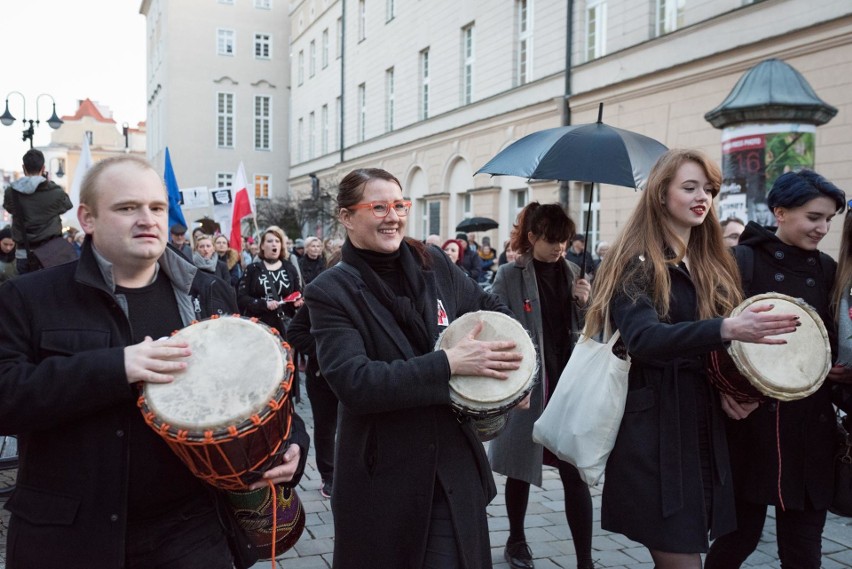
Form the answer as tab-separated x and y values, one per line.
390	10
262	46
225	42
225	120
362	112
312	59
312	127
300	140
389	99
424	84
262	122
362	20
595	29
263	4
224	179
591	192
301	67
433	218
261	185
338	52
524	42
466	205
325	48
226	2
324	129
467	66
518	202
669	16
338	123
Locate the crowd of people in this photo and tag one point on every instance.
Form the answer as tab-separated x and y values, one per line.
693	470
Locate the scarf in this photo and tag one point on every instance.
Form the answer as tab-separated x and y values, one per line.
208	265
409	311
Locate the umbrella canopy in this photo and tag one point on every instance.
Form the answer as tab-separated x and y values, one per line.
593	152
474	224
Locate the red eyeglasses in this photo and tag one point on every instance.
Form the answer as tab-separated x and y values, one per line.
382	209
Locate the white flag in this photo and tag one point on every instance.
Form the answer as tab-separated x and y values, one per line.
83	166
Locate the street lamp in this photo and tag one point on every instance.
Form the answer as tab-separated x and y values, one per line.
7	118
60	166
125	129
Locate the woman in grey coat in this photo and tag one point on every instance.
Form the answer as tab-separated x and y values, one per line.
543	291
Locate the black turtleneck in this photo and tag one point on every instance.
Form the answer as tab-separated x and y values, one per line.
387	266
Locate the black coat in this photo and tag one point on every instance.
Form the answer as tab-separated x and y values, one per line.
256	288
397	434
653	488
806	425
64	392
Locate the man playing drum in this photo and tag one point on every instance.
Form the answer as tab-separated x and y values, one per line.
96	486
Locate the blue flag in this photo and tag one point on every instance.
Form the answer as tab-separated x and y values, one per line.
175	214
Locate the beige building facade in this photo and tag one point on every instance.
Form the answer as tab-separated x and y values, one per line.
218	95
432	91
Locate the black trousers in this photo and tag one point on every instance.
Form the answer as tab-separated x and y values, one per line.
799	535
442	550
324	406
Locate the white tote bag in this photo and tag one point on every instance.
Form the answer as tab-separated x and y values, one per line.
581	420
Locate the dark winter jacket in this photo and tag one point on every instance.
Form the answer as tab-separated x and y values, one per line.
805	428
397	434
36	205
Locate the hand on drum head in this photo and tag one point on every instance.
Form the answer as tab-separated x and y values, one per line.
753	326
283	472
153	361
735	409
483	359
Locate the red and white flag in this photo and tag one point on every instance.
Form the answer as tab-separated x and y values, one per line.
242	207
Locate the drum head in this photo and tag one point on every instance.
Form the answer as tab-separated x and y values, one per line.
486	395
793	370
236	367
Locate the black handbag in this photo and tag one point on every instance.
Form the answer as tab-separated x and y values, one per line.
841	503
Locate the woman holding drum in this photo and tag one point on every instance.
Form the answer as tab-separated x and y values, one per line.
268	282
782	453
411	478
665	285
544	292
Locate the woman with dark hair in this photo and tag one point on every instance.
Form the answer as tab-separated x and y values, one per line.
230	257
411	479
268	281
8	269
546	294
666	285
782	454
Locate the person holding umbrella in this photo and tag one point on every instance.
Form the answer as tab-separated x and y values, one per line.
546	293
666	285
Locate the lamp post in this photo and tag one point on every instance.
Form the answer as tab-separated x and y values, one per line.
60	166
7	118
125	129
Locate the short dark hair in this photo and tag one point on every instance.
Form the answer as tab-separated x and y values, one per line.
731	219
33	161
794	189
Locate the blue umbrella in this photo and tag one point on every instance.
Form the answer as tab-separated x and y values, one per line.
594	152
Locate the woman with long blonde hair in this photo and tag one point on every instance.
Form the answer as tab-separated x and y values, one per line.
667	284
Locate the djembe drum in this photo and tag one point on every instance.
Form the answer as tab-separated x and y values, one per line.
485	399
749	372
227	417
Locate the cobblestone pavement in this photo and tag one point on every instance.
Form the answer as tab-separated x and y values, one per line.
546	530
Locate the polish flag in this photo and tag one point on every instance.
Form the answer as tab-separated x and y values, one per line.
241	207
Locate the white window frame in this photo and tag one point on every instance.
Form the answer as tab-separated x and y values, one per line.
338	122
362	112
262	185
225	127
668	16
224	179
362	20
525	41
389	99
312	58
324	129
300	139
263	4
263	122
338	51
312	135
593	191
518	200
424	84
325	48
301	67
226	42
595	46
468	60
390	10
262	46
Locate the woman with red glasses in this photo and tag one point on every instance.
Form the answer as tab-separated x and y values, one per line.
411	478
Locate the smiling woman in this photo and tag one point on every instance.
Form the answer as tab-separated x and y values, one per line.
376	318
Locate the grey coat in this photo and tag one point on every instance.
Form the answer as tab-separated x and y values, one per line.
513	453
